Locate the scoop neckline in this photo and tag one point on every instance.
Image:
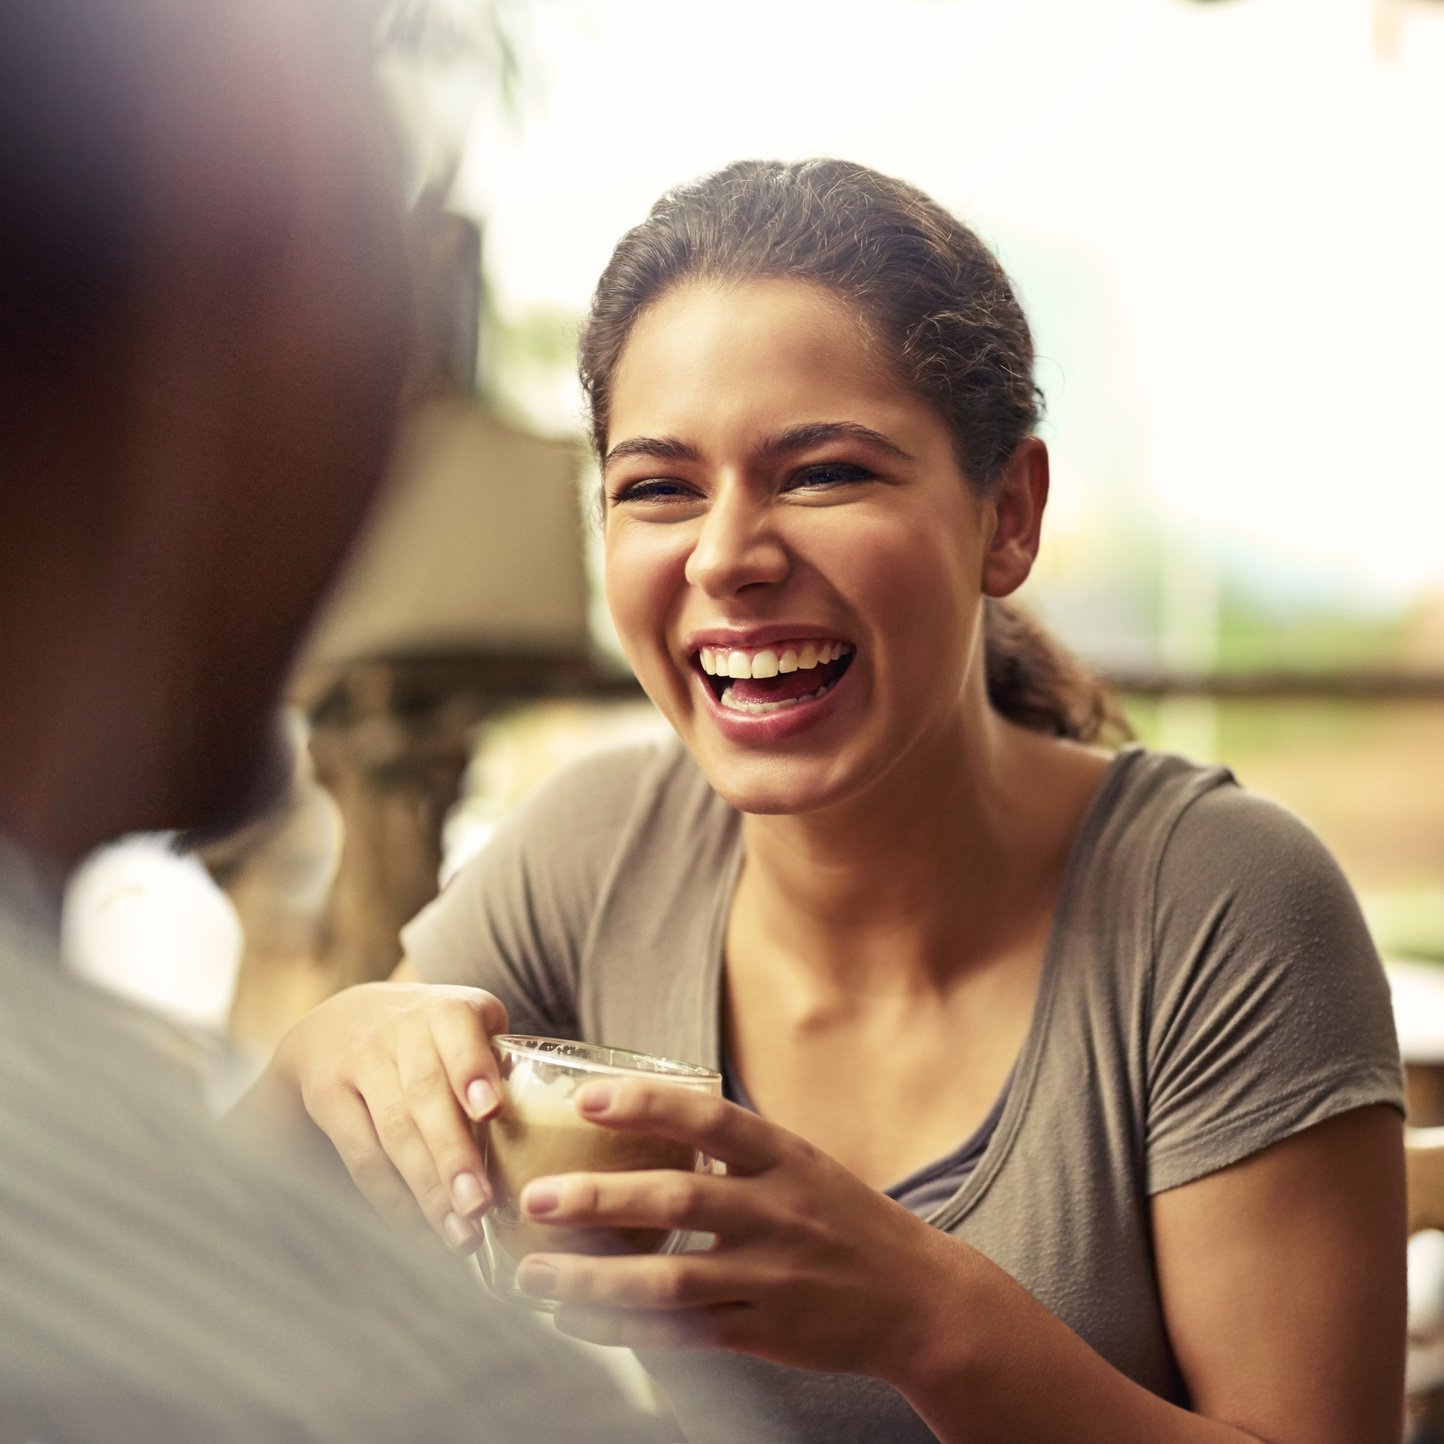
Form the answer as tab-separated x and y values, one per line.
1025	1066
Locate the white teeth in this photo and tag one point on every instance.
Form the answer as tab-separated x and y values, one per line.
768	661
739	704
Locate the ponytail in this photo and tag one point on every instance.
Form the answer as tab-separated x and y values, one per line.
1035	681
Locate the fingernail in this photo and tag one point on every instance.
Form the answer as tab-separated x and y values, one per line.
596	1097
540	1198
537	1278
458	1232
467	1193
481	1099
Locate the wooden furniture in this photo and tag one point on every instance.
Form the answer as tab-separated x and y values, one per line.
390	740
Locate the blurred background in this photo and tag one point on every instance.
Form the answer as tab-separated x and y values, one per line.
1224	219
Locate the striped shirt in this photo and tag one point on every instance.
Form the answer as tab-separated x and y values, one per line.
161	1281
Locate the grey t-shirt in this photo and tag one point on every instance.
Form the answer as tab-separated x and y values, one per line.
1209	988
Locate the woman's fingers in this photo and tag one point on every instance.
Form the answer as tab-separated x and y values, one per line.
710	1328
345	1119
648	1281
461	1031
663	1198
393	1073
744	1142
404	1146
441	1153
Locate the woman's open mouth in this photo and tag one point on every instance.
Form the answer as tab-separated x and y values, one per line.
756	681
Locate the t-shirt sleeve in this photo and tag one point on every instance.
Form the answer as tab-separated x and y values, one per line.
1270	1011
514	918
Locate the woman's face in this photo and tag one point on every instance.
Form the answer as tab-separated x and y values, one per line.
793	556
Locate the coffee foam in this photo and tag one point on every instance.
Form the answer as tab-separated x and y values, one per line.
551	1102
550	1105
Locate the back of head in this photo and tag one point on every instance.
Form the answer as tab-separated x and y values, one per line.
927	289
70	201
203	324
135	131
202	331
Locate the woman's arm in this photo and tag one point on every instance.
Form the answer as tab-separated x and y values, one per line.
1282	1279
1309	1237
1283	1291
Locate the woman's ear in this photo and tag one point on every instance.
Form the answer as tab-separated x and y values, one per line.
1017	503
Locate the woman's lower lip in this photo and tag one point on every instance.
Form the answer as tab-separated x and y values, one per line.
761	729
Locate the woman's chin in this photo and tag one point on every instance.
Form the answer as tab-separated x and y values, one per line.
773	786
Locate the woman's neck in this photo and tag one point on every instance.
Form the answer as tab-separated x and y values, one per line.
947	860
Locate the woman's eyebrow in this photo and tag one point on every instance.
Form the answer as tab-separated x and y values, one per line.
795	438
818	433
659	448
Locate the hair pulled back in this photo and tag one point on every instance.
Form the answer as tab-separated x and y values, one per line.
933	295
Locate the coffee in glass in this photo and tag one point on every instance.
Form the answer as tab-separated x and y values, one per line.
539	1132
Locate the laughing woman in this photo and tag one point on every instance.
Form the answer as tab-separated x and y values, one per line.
1062	1094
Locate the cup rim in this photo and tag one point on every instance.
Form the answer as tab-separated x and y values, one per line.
602	1058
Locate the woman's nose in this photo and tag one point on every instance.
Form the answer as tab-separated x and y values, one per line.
738	546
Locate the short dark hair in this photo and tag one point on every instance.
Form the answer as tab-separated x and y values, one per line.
69	194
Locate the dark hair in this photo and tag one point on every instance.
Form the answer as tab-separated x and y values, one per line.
934	295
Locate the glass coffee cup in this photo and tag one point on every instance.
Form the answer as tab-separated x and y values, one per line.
539	1132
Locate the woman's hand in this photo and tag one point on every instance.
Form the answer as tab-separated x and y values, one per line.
811	1267
395	1075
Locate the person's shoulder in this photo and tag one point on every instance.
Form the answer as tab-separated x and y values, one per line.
210	1274
1217	830
1265	1003
621	785
1184	838
1151	788
1219	859
628	800
1165	804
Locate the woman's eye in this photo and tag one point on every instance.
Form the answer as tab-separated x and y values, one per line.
656	489
828	474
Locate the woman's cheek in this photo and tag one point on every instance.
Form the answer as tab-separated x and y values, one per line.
639	581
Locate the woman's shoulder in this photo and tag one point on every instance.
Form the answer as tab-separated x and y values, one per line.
1146	787
627	815
1173	846
1161	806
610	784
1203	878
1200	821
636	797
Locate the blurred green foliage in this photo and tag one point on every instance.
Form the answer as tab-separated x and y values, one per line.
1251	638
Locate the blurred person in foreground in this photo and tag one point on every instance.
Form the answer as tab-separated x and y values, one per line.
203	325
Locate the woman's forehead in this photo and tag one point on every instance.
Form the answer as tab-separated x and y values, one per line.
758	388
704	342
